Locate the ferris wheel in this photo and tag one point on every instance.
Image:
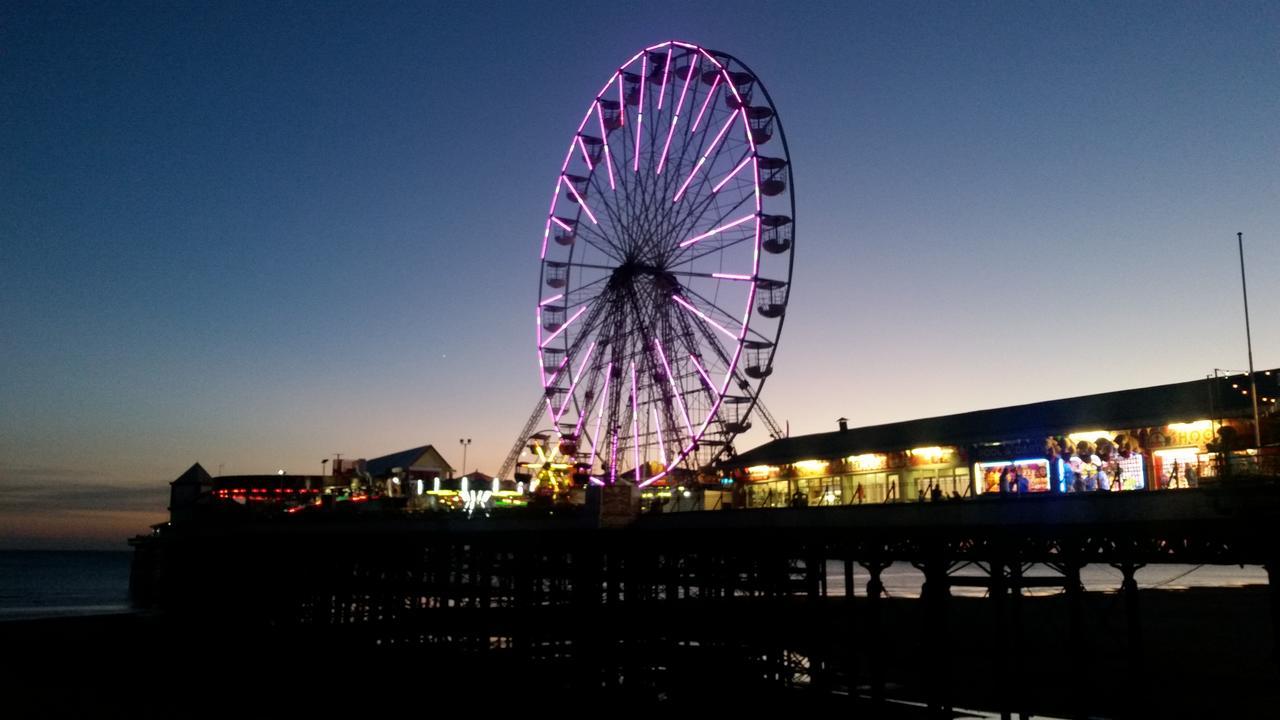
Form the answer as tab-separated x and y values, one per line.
665	265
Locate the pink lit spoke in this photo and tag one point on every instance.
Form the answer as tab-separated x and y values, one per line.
583	204
718	230
608	155
730	276
703	315
728	177
613	457
657	477
549	381
547	341
702	160
710	94
563	225
585	157
675	387
573	381
667	145
662	448
551	299
665	70
635	422
675	119
604	400
644	80
705	378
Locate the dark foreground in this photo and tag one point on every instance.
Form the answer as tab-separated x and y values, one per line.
1205	653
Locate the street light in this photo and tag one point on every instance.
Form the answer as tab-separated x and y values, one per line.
464	443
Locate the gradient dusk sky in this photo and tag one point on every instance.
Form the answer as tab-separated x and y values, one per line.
256	234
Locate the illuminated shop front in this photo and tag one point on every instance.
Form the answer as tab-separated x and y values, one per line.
991	474
1152	438
859	479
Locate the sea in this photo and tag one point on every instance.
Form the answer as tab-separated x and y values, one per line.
56	583
37	584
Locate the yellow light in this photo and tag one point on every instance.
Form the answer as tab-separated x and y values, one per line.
762	470
1089	435
931	454
867	461
1191	426
811	466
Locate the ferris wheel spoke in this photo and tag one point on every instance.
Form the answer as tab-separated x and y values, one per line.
716	311
675	116
715	144
705	318
601	242
712	250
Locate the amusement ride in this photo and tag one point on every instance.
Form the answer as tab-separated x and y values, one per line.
664	273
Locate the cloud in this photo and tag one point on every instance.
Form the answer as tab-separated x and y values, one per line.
34	489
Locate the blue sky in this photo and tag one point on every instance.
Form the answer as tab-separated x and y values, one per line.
253	235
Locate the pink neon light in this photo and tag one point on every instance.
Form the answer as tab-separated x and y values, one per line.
564	225
604	400
554	376
710	94
551	299
662	448
562	327
613	458
608	155
702	315
662	474
705	155
582	203
728	177
728	276
693	70
586	158
555	195
718	230
635	421
644	71
573	382
675	388
710	385
597	481
665	70
688	180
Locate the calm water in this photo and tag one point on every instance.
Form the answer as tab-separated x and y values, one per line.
51	583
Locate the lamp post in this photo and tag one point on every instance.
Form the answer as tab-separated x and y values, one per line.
464	443
1248	337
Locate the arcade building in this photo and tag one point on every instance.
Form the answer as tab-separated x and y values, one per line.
1153	438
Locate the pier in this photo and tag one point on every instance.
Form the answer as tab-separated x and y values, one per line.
697	604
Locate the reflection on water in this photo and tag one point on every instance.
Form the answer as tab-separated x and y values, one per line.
902	580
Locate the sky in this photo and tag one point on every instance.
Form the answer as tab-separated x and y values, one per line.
254	235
